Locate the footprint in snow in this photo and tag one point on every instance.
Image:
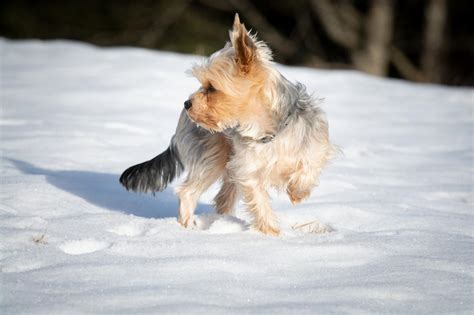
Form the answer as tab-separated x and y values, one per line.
84	246
220	224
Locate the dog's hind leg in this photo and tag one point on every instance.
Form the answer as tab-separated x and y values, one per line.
225	200
206	164
190	191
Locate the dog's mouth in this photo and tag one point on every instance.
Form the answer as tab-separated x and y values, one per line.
211	127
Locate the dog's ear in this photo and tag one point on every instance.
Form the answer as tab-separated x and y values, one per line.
243	44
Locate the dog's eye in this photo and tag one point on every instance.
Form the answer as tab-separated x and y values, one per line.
210	88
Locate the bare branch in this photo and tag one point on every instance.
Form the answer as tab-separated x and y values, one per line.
404	66
338	31
162	22
350	15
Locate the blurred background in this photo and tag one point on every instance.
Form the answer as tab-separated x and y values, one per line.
416	40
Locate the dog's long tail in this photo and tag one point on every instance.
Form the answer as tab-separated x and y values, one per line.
154	175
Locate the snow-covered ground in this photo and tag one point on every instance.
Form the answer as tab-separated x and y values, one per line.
398	204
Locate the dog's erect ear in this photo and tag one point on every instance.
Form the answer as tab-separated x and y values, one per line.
243	44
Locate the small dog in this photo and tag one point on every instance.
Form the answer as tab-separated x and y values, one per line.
258	131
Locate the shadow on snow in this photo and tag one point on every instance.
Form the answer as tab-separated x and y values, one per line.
105	191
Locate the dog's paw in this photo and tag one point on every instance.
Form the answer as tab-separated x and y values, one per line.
269	230
187	222
296	196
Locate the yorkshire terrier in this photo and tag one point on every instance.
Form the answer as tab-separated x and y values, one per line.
247	125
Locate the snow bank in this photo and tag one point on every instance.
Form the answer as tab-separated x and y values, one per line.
393	218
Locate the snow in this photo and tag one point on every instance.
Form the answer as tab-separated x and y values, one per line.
391	223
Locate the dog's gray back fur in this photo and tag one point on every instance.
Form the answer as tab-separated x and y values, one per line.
294	100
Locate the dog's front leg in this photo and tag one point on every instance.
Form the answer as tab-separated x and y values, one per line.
300	185
258	205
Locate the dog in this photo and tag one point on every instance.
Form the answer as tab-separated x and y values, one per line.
246	125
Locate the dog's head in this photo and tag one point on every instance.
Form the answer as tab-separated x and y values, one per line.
235	84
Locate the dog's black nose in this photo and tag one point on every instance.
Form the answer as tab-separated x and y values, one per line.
188	104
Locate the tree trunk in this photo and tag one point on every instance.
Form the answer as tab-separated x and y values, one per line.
431	59
374	58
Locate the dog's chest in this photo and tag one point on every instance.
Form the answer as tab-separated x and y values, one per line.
272	161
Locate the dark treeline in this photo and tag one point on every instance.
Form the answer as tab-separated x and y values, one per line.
418	40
